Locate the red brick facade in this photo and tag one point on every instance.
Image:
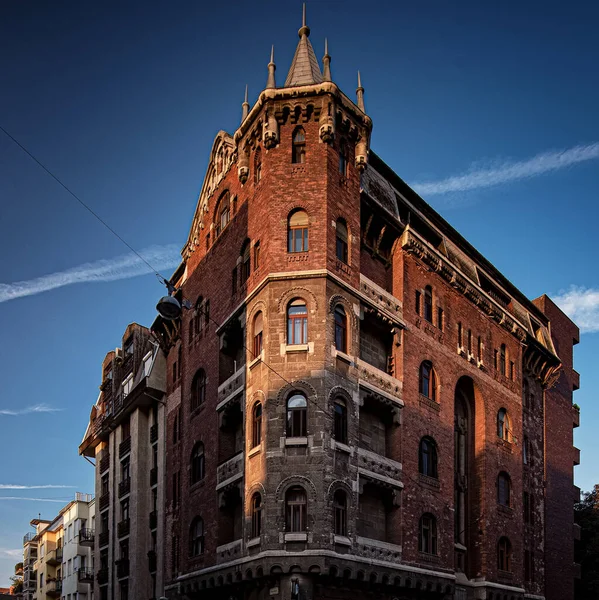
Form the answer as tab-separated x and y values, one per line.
438	347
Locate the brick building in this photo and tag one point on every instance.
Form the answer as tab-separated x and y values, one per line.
125	435
359	405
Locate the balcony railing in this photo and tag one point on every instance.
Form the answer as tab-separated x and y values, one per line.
28	537
152	562
54	588
124	487
153	433
153	519
230	470
104	462
122	568
379	468
154	476
125	447
54	557
85	575
104	500
86	537
123	527
102	575
104	538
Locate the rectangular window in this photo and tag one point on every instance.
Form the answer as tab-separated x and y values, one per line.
469	342
418	299
495	358
256	255
460	337
127	385
147	361
512	370
298	239
440	318
480	348
125	430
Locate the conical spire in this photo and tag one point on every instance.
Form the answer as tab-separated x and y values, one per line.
326	62
245	107
304	68
270	83
360	94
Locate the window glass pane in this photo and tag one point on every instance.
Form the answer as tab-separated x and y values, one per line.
306	240
297	401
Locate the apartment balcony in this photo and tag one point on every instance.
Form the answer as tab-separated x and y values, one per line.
153	433
123	528
154	476
378	384
122	568
152	561
102	576
377	549
231	388
153	519
86	537
54	589
103	538
85	575
575	416
28	537
576	455
229	552
125	447
379	469
104	501
124	487
54	557
230	471
104	462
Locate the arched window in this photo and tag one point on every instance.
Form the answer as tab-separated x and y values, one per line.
428	381
198	389
257	165
504	554
297	232
196	537
299	146
427	540
223	213
256	508
427	457
295	510
197	463
245	261
503	425
340	512
340	329
297	409
428	303
502	360
257	425
258	334
342	239
343	158
297	322
340	420
504	489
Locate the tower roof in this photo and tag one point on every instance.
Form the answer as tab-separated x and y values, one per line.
304	68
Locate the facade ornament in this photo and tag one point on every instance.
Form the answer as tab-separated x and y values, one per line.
360	95
361	154
326	63
245	107
327	123
270	135
243	166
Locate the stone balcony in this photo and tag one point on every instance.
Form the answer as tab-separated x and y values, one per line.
575	416
381	299
375	382
379	468
230	471
231	388
230	551
377	549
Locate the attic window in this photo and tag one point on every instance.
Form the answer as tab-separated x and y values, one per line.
493	291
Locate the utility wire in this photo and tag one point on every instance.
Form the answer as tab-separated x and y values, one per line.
81	202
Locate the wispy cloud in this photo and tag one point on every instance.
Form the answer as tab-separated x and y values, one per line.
11	553
507	171
16	486
24	498
120	267
582	306
37	408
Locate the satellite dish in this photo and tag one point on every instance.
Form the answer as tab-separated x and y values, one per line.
168	308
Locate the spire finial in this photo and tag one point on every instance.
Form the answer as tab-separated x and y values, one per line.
270	83
360	94
304	29
326	62
245	107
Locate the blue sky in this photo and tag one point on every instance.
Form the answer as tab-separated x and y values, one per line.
123	100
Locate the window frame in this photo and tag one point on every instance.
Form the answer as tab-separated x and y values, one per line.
340	513
196	537
428	457
197	470
340	420
256	515
297	323
342	241
257	424
258	336
340	318
503	425
298	234
428	304
504	489
427	535
296	510
198	390
296	424
504	555
428	377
